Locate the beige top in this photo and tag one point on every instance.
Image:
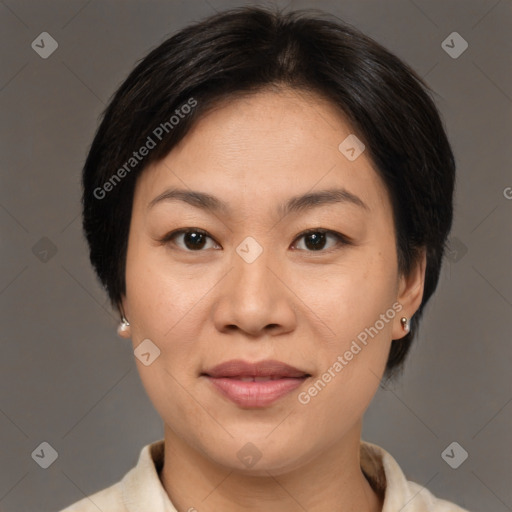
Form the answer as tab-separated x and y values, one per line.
140	490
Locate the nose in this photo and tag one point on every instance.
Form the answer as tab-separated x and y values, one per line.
255	297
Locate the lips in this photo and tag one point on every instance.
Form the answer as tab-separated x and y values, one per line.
255	384
269	368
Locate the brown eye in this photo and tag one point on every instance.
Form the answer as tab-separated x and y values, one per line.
316	239
192	239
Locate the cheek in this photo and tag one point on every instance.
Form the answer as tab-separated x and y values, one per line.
165	305
169	305
356	308
351	361
160	295
350	295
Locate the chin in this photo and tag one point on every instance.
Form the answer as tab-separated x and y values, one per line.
260	455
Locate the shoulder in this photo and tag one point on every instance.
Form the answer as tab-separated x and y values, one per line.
426	501
139	490
388	479
109	499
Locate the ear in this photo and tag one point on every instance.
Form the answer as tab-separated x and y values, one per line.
410	292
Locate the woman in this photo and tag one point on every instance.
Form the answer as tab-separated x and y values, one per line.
267	201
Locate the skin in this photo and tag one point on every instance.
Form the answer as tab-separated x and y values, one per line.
294	304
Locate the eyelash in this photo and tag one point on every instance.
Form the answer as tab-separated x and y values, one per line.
341	240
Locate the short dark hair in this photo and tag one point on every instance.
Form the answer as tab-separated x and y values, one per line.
243	51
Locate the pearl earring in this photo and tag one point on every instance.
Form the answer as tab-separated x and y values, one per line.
123	328
405	324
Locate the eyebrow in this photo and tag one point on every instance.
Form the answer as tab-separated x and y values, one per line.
295	204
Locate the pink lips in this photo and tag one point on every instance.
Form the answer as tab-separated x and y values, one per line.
255	384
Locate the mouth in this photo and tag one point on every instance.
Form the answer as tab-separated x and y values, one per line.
255	385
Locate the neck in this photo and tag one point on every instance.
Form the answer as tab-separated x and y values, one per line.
330	481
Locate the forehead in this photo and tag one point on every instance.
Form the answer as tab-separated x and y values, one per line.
265	146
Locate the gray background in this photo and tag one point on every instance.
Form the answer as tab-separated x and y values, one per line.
68	380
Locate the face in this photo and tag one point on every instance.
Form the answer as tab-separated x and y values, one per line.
242	277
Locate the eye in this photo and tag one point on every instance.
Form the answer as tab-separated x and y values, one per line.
194	239
315	239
